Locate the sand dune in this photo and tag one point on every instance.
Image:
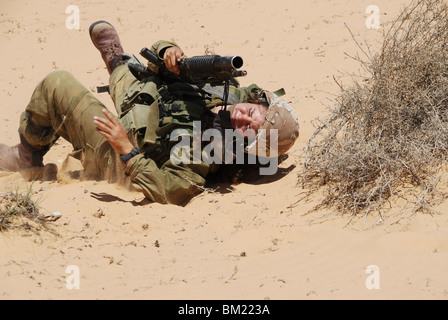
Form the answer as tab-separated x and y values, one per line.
253	242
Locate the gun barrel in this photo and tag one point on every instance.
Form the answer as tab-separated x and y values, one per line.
199	69
211	64
239	73
226	63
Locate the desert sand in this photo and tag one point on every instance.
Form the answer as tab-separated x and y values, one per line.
250	241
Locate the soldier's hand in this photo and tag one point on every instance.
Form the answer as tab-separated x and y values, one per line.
114	132
172	57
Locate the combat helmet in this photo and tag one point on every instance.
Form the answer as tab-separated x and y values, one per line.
281	117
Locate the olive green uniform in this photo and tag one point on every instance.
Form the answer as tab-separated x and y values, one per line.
62	107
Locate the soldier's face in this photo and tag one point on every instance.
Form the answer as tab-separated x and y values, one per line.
247	116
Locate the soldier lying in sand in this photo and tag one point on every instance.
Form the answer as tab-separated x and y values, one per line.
62	107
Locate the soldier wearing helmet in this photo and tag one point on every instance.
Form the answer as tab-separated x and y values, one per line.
137	144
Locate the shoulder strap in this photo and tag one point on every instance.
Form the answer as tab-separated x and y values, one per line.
219	92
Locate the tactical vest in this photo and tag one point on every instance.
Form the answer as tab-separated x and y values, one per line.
153	109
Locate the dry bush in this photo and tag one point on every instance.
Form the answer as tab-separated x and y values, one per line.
18	210
387	137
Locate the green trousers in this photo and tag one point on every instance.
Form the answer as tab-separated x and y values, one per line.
62	107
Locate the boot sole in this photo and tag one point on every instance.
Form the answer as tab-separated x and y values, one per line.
96	23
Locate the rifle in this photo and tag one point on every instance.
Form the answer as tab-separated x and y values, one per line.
213	69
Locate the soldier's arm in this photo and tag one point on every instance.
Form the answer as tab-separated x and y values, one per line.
175	184
170	184
170	53
161	46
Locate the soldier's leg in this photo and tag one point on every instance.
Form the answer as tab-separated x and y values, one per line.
106	40
120	82
62	106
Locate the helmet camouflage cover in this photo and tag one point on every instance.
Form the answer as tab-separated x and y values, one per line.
281	117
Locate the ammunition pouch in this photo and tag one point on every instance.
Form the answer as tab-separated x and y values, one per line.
145	92
152	110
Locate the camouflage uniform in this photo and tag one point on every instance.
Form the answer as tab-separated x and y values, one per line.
62	107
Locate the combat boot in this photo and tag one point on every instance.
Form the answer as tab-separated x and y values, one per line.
21	156
106	40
